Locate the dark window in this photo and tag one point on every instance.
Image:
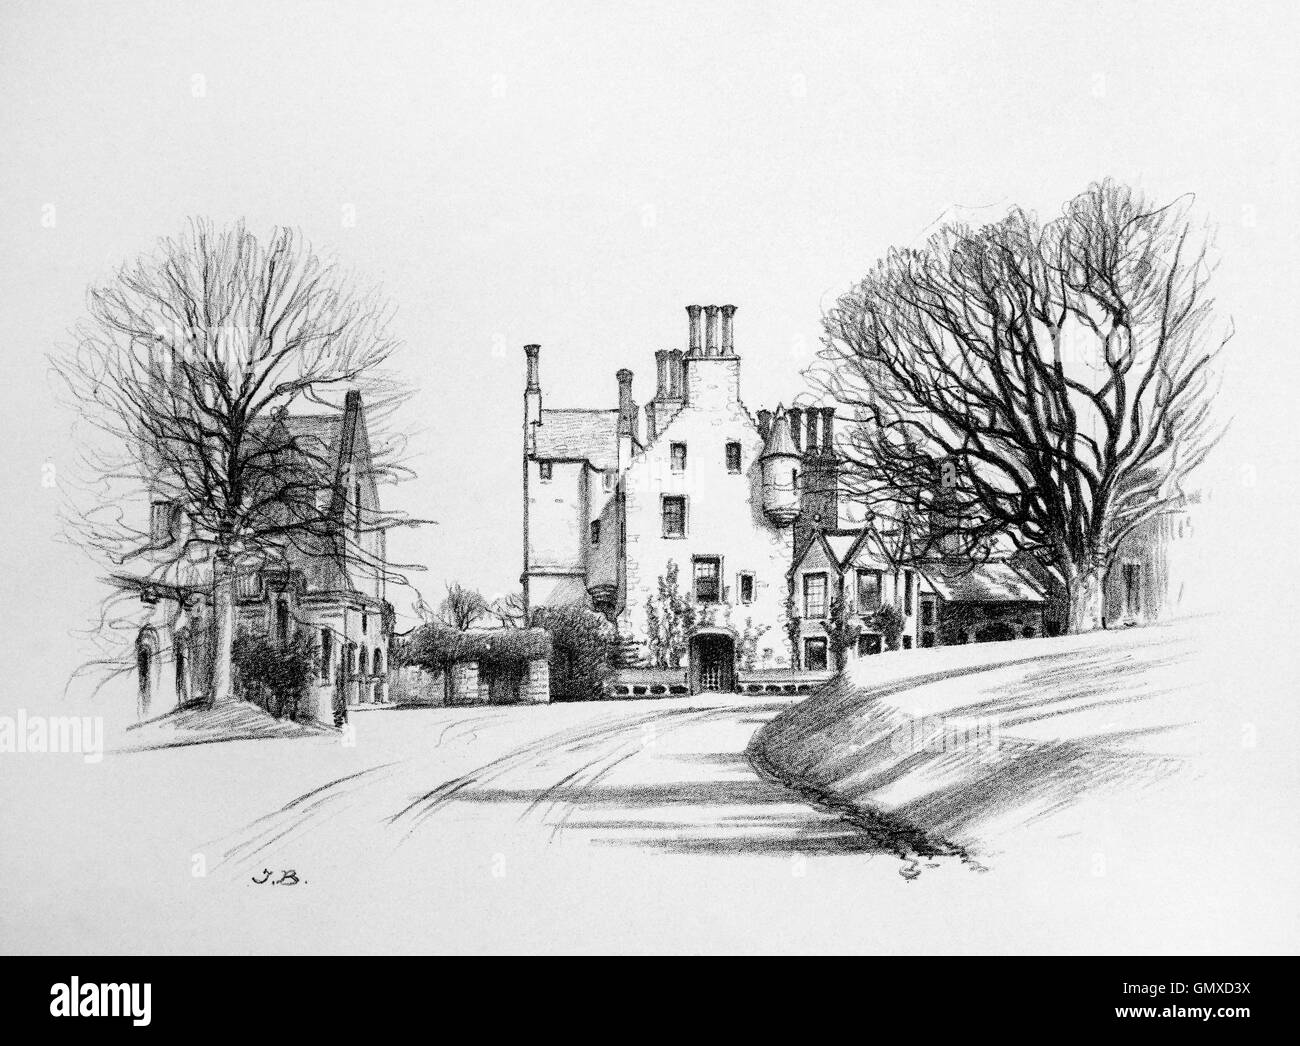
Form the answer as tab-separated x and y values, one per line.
678	453
365	623
927	612
282	621
356	502
868	643
595	532
814	655
361	667
1132	588
326	652
907	591
747	588
868	591
927	639
814	595
708	572
733	457
674	517
544	471
907	642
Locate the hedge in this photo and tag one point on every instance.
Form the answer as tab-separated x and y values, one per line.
435	646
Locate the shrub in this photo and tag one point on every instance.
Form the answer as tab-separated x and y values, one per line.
747	649
841	630
889	622
995	632
275	677
583	648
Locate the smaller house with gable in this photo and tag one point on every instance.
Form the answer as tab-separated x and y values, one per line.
933	604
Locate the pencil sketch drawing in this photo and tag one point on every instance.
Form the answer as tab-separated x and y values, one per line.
577	631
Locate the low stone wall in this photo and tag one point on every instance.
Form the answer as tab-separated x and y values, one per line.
465	686
536	688
781	681
470	686
647	682
414	686
669	682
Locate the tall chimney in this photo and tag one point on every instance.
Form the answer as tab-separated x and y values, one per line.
532	352
676	382
828	430
728	319
796	430
626	408
811	414
764	423
532	395
710	330
662	364
693	311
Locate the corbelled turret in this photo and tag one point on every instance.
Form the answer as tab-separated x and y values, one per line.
779	463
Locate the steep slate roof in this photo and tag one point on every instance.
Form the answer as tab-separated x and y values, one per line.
841	545
315	434
779	440
589	435
984	583
858	545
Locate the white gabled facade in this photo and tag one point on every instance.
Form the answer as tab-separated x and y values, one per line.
706	459
721	493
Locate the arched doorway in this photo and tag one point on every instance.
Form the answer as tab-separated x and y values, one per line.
713	663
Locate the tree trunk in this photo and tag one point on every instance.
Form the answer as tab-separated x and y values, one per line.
1086	599
223	599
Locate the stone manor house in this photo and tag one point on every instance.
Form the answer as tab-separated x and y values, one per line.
331	589
743	506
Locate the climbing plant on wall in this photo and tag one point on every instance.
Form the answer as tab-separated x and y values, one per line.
792	628
841	629
669	619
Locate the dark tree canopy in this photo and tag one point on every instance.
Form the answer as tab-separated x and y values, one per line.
1048	385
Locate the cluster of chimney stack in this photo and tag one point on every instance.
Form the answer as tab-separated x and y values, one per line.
672	381
715	343
715	336
809	419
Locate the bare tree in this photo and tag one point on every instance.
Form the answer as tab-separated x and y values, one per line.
1049	385
462	607
188	367
508	610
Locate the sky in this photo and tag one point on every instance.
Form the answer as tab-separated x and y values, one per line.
575	174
